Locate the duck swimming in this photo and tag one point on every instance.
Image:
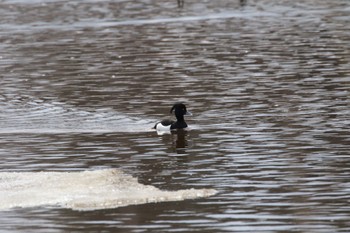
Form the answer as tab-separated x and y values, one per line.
180	110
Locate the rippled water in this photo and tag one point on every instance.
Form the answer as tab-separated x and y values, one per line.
82	83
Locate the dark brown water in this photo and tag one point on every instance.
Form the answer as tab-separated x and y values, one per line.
268	82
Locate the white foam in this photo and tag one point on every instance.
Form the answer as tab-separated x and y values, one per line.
85	190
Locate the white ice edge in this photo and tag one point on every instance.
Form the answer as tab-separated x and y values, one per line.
84	190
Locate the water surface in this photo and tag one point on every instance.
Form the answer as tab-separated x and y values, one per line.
82	83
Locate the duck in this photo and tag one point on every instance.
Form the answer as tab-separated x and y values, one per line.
180	111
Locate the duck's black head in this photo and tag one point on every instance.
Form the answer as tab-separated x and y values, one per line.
180	110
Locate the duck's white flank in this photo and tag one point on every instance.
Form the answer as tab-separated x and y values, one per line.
160	127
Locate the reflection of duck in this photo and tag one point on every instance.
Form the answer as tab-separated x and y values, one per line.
180	3
180	141
243	2
180	110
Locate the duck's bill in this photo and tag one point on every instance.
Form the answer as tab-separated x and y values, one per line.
188	113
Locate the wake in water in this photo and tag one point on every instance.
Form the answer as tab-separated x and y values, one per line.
19	115
86	190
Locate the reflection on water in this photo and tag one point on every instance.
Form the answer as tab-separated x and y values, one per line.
243	2
84	82
180	3
180	141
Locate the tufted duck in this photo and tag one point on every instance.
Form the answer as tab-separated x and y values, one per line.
180	111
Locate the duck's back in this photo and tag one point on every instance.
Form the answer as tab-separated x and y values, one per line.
178	125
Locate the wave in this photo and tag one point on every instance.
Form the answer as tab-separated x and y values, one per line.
38	116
